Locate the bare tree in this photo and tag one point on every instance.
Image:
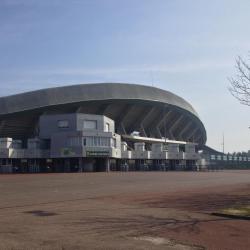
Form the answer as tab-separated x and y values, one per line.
240	84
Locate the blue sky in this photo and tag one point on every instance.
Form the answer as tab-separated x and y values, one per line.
187	47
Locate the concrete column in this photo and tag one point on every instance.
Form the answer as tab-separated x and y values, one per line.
80	164
107	165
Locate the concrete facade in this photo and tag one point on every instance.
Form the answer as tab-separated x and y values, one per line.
86	142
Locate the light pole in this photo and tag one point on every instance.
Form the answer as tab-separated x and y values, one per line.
165	124
223	143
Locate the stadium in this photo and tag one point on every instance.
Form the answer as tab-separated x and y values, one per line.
98	127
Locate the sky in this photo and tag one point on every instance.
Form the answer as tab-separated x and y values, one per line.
186	47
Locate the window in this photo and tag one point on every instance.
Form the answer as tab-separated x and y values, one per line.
219	157
105	142
89	141
90	124
74	142
165	147
107	127
96	141
113	142
63	124
84	141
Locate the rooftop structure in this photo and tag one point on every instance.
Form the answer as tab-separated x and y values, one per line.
154	112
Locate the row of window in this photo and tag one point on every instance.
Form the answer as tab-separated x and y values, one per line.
87	124
229	158
92	141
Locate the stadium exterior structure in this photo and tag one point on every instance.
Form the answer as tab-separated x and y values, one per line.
93	125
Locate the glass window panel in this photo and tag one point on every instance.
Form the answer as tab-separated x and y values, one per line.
90	124
107	127
63	124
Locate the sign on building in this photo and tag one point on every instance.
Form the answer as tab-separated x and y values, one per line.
97	153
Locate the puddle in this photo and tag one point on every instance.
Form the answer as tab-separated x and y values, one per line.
41	213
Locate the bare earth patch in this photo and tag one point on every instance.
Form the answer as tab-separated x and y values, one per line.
123	211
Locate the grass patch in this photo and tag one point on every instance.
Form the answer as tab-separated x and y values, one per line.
243	211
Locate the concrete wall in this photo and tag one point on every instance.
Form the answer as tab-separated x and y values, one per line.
61	147
48	124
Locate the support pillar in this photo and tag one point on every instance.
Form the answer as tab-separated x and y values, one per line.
107	165
80	163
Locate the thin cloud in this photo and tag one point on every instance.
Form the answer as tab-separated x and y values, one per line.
164	68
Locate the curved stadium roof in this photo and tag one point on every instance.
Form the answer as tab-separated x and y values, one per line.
152	111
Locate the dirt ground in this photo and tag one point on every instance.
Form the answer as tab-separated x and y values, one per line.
134	210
